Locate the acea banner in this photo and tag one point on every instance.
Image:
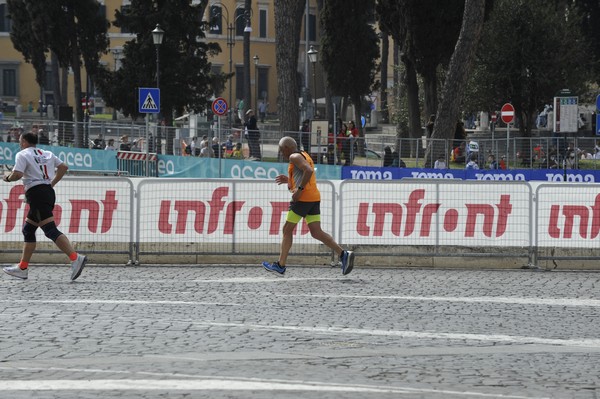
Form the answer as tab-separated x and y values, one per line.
192	167
75	158
548	175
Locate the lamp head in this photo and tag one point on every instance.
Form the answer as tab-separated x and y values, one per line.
158	35
312	54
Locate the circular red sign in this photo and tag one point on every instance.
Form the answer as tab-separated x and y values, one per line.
507	113
219	106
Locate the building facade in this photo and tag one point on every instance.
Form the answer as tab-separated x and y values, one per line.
228	22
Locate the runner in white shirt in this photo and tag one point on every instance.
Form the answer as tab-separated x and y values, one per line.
40	170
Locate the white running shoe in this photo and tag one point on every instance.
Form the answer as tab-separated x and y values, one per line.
16	271
77	266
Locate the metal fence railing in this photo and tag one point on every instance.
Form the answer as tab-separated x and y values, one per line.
190	220
375	149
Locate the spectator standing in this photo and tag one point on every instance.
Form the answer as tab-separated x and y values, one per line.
472	164
253	135
125	145
111	145
206	150
388	156
262	110
351	136
216	148
305	135
492	163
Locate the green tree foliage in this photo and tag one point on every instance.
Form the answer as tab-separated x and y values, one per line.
530	49
73	30
350	49
590	13
186	81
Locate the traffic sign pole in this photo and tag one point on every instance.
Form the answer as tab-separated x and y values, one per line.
507	114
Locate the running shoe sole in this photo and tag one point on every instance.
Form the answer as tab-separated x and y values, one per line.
266	267
350	264
78	272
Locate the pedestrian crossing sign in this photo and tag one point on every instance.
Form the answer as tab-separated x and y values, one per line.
148	100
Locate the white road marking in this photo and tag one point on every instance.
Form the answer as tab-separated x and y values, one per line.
115	302
465	299
513	339
225	384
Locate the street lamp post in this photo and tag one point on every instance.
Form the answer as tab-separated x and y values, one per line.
117	56
157	37
256	59
313	56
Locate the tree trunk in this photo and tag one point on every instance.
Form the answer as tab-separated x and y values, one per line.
412	95
430	89
385	44
288	20
456	80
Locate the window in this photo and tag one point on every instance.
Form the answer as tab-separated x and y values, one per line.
125	10
49	84
263	82
9	82
262	28
312	27
216	20
240	22
5	22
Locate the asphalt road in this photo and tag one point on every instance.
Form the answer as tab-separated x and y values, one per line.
241	332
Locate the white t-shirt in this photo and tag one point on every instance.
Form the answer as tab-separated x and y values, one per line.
38	166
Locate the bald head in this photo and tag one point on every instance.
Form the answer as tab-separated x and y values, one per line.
288	143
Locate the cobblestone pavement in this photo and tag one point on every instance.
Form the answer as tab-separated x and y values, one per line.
240	332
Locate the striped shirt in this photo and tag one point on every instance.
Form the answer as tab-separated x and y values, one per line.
38	166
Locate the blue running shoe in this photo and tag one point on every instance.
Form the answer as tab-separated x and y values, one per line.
347	259
274	267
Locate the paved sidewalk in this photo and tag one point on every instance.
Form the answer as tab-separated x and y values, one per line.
241	332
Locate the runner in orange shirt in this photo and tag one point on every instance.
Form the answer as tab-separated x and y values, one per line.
306	202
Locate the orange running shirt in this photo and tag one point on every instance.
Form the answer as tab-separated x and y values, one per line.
311	192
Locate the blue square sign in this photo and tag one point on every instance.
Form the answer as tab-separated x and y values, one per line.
148	100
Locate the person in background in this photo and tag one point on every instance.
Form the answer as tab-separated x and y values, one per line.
472	164
305	135
216	148
135	146
388	156
262	110
228	146
237	151
253	135
492	163
206	150
125	144
352	136
458	154
440	162
41	171
111	145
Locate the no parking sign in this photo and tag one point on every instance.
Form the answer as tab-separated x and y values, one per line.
219	106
